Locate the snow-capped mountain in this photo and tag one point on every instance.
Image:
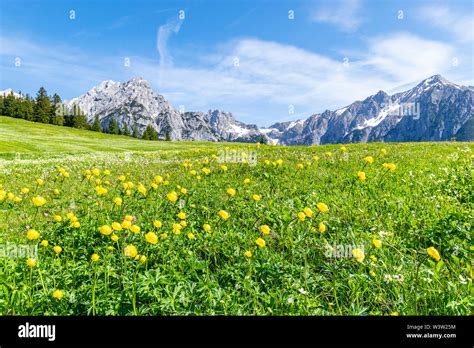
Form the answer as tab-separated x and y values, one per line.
9	91
435	109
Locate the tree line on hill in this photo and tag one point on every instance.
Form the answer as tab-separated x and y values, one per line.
50	110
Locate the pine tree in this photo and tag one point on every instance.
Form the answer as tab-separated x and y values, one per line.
42	107
135	133
56	116
113	127
29	108
10	105
125	130
79	120
96	127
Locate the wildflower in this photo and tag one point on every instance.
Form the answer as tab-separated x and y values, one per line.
57	218
31	262
70	216
369	159
316	158
172	197
116	226
38	201
390	166
182	215
114	237
157	224
183	190
183	223
126	224
343	148
206	170
101	190
377	243
433	253
76	224
301	216
247	181
58	294
383	152
105	230
322	227
323	208
361	176
265	229
110	248
130	251
128	218
118	201
151	238
177	229
122	178
260	242
206	227
372	273
39	181
135	229
373	258
154	186
223	214
141	189
231	192
358	254
57	249
193	172
158	179
300	166
25	190
256	198
142	259
191	235
32	234
96	171
164	236
248	254
224	167
308	212
95	257
44	243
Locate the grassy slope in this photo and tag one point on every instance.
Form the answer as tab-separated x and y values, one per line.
23	136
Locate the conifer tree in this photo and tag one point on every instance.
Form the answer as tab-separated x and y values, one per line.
42	107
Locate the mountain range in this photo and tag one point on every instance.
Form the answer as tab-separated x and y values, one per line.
434	110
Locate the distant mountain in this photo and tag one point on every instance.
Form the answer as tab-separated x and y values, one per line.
8	92
434	110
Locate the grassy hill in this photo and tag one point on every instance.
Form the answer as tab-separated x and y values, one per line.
22	136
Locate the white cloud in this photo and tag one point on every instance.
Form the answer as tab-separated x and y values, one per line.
457	23
164	32
344	14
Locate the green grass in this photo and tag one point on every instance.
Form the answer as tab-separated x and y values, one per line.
24	137
427	201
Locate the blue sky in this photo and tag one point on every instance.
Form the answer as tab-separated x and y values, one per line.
247	57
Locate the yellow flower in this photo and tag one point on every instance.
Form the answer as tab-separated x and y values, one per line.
105	230
95	257
361	176
154	186
265	229
206	227
135	229
177	229
164	235
394	314
224	167
181	215
279	162
323	208
247	181
328	154
39	181
256	198
98	182
57	249
128	192
183	191
126	224
142	259
377	243
44	243
31	262
260	242
32	234
433	253
129	218
114	237
38	201
141	189
118	201
116	226
390	166
101	190
183	223
151	238
172	196
231	192
70	215
158	179
343	148
130	251
358	254
96	171
57	218
193	172
369	159
157	224
223	214
248	254
372	273
58	294
301	216
383	152
25	190
122	178
322	227
76	224
110	248
316	158
308	212
191	235
266	162
206	170
373	258
300	166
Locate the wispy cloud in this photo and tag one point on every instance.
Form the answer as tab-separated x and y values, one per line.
459	24
164	32
347	15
